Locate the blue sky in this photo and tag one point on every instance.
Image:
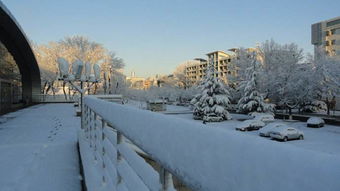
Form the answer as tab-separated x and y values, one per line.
154	36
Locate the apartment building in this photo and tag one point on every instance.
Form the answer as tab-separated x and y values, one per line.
326	36
221	61
196	69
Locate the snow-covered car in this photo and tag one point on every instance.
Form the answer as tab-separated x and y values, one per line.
286	133
212	118
249	125
265	117
315	122
266	130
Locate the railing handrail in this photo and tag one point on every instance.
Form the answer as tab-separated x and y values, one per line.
50	98
212	159
114	160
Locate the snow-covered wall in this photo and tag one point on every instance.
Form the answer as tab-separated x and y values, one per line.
212	159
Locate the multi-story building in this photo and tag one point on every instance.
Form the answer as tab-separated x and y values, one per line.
196	69
221	61
326	36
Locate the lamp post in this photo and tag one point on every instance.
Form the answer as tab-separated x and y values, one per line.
80	75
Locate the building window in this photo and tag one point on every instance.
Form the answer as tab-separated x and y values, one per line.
333	23
333	42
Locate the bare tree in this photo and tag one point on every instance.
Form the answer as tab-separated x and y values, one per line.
72	49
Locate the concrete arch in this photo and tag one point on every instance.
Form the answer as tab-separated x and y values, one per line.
14	38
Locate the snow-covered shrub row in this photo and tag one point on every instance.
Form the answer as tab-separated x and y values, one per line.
213	159
169	93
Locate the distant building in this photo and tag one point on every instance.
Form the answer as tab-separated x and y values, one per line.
136	82
196	69
326	36
221	61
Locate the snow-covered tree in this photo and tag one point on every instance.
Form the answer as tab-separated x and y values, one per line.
212	102
78	48
112	72
180	76
9	69
252	100
241	62
280	63
326	78
46	56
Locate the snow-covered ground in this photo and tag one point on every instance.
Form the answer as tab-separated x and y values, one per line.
326	139
38	149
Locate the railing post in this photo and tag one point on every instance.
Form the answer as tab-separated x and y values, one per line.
88	122
90	127
166	179
81	103
119	156
95	135
84	115
103	149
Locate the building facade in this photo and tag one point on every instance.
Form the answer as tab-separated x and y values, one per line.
326	36
196	69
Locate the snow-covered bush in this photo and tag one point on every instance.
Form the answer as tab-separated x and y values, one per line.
315	106
213	100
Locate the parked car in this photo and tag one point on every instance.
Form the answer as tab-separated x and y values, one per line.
212	118
265	117
249	125
315	122
266	130
286	133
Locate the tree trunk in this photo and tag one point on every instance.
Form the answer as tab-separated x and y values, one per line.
328	108
95	88
43	88
64	84
88	88
52	88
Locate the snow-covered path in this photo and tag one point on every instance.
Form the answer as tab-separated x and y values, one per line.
38	147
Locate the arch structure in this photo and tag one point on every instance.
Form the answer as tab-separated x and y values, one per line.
14	39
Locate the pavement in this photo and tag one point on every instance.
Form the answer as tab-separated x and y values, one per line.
38	147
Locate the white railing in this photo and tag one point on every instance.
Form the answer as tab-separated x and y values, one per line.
112	158
59	98
202	158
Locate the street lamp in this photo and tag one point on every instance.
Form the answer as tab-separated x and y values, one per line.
78	74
